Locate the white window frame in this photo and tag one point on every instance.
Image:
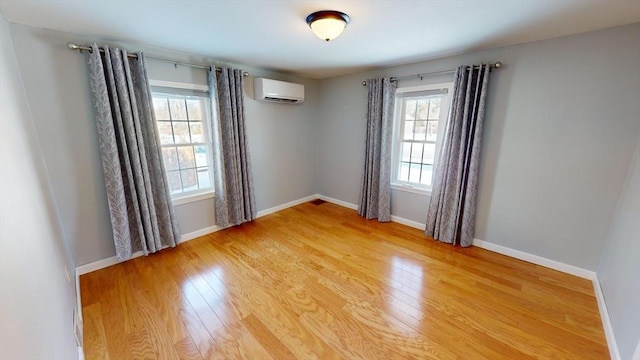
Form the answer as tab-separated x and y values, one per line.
167	87
396	152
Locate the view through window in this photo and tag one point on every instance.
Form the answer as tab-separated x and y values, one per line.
183	124
421	115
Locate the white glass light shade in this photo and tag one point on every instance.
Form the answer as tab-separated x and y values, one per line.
327	24
328	29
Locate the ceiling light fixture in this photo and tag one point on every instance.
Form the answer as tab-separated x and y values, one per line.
328	24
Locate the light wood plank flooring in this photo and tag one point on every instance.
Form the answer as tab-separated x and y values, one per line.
317	282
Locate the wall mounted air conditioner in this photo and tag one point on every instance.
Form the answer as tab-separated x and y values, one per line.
278	91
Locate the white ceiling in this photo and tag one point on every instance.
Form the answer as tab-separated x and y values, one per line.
274	35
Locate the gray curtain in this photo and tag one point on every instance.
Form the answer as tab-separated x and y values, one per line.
142	216
235	202
452	207
375	194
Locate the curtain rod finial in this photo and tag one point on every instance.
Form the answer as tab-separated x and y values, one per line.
72	46
497	65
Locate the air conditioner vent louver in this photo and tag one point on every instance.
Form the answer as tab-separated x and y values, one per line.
278	91
269	98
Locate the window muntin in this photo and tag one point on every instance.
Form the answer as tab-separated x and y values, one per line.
183	123
421	114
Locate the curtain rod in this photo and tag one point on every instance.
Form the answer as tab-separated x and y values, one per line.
81	48
496	65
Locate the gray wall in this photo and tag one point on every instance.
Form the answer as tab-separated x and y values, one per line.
281	138
281	141
36	300
619	269
561	126
57	85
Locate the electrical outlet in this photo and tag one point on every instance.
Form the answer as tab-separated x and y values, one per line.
66	271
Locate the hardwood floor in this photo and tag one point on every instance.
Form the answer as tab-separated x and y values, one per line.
317	282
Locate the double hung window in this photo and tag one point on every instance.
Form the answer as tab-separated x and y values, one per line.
420	118
183	119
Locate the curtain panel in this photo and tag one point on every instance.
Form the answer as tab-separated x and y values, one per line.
235	201
375	194
452	207
142	217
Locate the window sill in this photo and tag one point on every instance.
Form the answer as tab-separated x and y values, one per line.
411	189
185	199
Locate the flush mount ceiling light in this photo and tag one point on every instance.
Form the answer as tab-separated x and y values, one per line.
327	24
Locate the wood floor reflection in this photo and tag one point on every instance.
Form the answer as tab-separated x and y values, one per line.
317	282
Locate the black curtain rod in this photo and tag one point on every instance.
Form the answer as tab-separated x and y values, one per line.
496	65
81	48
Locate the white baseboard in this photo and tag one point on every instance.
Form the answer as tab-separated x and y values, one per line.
614	353
104	263
338	202
271	210
407	222
521	255
79	314
568	269
535	259
78	298
201	232
397	219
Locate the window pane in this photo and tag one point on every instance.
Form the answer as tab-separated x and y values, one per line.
403	172
178	109
175	185
166	134
420	130
423	108
189	182
406	152
197	132
416	153
161	108
195	109
414	173
429	153
408	130
427	175
185	155
181	132
170	157
432	130
410	110
201	156
204	179
434	110
181	123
